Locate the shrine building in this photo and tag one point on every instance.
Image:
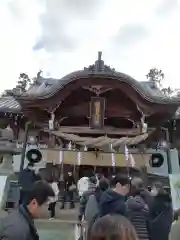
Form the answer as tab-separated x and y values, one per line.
94	118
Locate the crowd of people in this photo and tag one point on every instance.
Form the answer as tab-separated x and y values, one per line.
65	192
124	209
118	208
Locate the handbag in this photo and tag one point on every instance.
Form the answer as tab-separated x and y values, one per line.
72	188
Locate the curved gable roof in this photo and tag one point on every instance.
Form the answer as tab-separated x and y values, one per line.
47	87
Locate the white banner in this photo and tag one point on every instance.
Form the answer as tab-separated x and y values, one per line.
132	161
60	157
79	158
129	157
126	153
113	159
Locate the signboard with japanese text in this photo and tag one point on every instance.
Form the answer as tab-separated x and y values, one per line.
97	111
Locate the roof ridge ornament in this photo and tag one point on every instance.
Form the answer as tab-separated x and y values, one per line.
39	74
38	79
99	66
99	56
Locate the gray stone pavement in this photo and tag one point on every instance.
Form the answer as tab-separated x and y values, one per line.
55	230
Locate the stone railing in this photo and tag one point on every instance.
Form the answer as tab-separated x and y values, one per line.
8	146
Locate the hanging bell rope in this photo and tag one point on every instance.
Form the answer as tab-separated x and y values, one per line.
91	141
70	137
119	142
104	142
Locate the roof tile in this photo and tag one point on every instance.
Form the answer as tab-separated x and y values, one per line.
9	104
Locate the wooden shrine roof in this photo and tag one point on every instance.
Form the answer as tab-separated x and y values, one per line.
44	88
9	104
47	87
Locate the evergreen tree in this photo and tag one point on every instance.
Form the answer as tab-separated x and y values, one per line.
155	75
167	91
23	83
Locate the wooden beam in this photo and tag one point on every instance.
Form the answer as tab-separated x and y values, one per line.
105	130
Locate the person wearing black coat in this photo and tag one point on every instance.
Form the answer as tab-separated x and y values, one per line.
113	200
68	192
138	214
161	214
26	179
137	187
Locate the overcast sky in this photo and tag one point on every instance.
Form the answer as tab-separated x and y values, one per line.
61	36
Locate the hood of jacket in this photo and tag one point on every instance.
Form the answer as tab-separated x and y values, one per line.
112	202
164	198
136	203
110	196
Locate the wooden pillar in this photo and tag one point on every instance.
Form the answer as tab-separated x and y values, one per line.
51	141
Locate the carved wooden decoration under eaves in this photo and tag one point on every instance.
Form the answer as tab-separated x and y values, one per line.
97	89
